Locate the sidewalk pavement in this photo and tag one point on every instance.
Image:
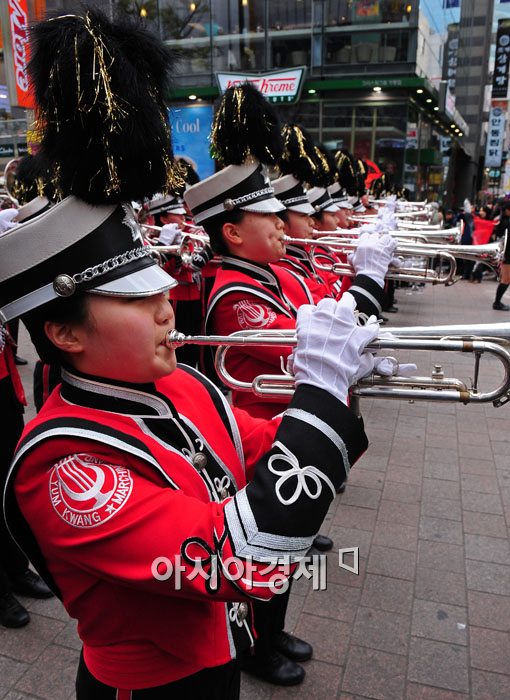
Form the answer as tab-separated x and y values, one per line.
428	505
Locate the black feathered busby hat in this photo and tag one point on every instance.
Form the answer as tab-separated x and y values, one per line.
309	162
99	88
245	138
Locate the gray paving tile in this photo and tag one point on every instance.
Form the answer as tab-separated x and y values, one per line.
396	535
374	674
329	638
489	686
440	488
491	549
10	672
440	530
398	513
441	508
321	681
355	517
489	610
438	664
52	675
396	563
424	692
441	556
482	502
351	537
337	602
27	644
488	577
440	586
360	496
490	649
444	623
484	524
378	629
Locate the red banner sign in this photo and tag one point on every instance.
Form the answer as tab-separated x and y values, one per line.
18	23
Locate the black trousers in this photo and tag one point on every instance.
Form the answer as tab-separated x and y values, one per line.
12	559
269	619
218	683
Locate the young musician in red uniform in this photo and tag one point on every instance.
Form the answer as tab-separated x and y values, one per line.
149	505
238	210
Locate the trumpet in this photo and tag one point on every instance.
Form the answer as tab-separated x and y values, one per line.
202	238
490	254
403	274
419	233
478	339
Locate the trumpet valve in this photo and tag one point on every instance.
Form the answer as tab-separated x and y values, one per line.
438	372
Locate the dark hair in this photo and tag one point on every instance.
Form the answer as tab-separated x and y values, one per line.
73	309
213	227
283	215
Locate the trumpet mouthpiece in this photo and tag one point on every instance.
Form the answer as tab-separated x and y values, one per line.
174	339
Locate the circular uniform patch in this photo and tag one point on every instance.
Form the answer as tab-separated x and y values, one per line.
251	315
86	492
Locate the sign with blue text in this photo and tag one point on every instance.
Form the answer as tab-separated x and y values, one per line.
495	138
191	126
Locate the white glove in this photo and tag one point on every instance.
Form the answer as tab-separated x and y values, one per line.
170	234
330	345
390	367
6	219
373	256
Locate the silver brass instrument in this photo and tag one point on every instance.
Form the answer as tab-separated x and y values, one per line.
450	235
403	274
478	339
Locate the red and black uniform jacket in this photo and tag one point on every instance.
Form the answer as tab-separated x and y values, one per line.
247	296
114	484
297	259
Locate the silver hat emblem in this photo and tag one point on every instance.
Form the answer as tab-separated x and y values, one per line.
64	285
229	204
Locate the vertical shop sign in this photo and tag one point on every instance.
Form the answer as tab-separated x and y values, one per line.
495	138
450	56
500	77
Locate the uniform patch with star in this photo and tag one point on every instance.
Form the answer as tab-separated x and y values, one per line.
86	492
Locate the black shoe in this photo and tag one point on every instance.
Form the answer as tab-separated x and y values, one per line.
391	310
341	488
322	543
20	360
273	668
292	647
30	584
12	613
498	306
383	320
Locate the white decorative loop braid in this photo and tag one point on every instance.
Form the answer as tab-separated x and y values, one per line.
233	614
222	483
301	473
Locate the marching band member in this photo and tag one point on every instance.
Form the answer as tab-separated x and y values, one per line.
239	211
135	469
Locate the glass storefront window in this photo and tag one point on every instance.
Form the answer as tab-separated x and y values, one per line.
344	47
390	143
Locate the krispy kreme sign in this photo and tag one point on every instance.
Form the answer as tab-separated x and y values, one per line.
14	20
276	86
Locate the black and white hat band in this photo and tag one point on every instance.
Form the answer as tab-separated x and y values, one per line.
320	200
291	193
166	204
79	247
244	187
